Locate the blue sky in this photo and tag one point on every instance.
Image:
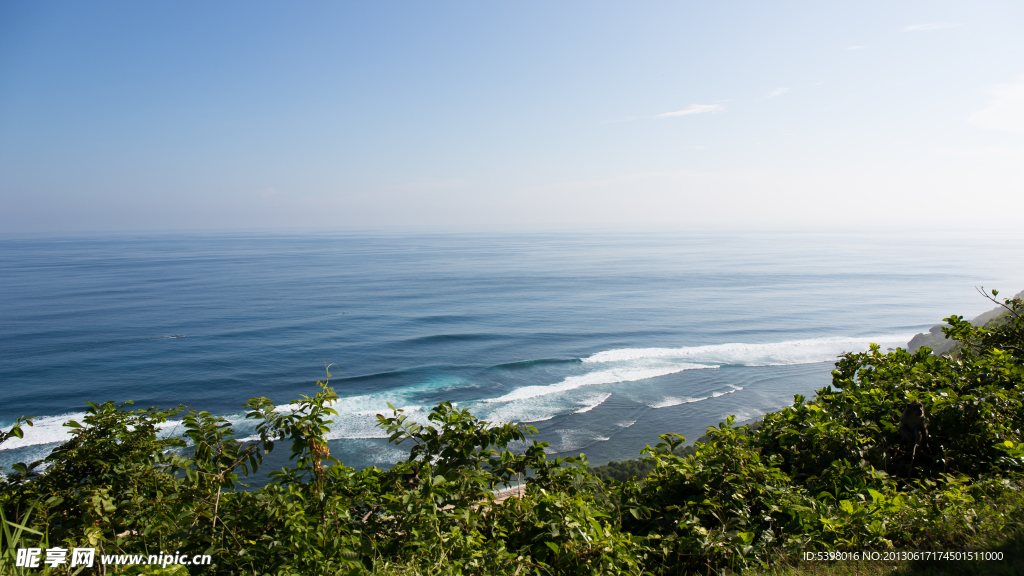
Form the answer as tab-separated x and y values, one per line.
258	115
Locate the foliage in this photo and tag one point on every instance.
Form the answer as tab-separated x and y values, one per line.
626	470
828	473
639	468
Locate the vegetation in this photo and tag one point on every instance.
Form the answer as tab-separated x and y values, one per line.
830	474
639	468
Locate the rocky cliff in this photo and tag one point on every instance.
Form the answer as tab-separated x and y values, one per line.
938	342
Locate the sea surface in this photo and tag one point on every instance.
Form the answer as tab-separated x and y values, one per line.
602	341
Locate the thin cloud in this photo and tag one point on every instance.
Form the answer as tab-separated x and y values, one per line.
854	47
694	109
929	26
777	92
698	147
1005	112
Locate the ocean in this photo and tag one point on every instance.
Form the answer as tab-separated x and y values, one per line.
601	341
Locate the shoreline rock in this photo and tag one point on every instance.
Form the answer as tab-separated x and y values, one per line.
938	342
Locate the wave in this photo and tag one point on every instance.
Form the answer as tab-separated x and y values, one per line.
356	418
417	372
444	338
45	430
746	415
808	351
357	415
636	364
574	440
531	363
592	402
612	376
48	430
674	401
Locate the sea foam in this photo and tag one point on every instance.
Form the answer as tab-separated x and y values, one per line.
630	373
635	364
675	401
51	430
591	402
769	354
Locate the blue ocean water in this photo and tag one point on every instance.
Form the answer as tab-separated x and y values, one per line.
602	341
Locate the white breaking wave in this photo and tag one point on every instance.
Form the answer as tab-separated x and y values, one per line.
573	440
673	401
47	430
592	402
630	373
772	354
745	415
357	415
635	364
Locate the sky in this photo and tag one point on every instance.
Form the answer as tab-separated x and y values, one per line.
193	115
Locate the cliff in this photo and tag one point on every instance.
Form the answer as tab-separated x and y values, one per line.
938	342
